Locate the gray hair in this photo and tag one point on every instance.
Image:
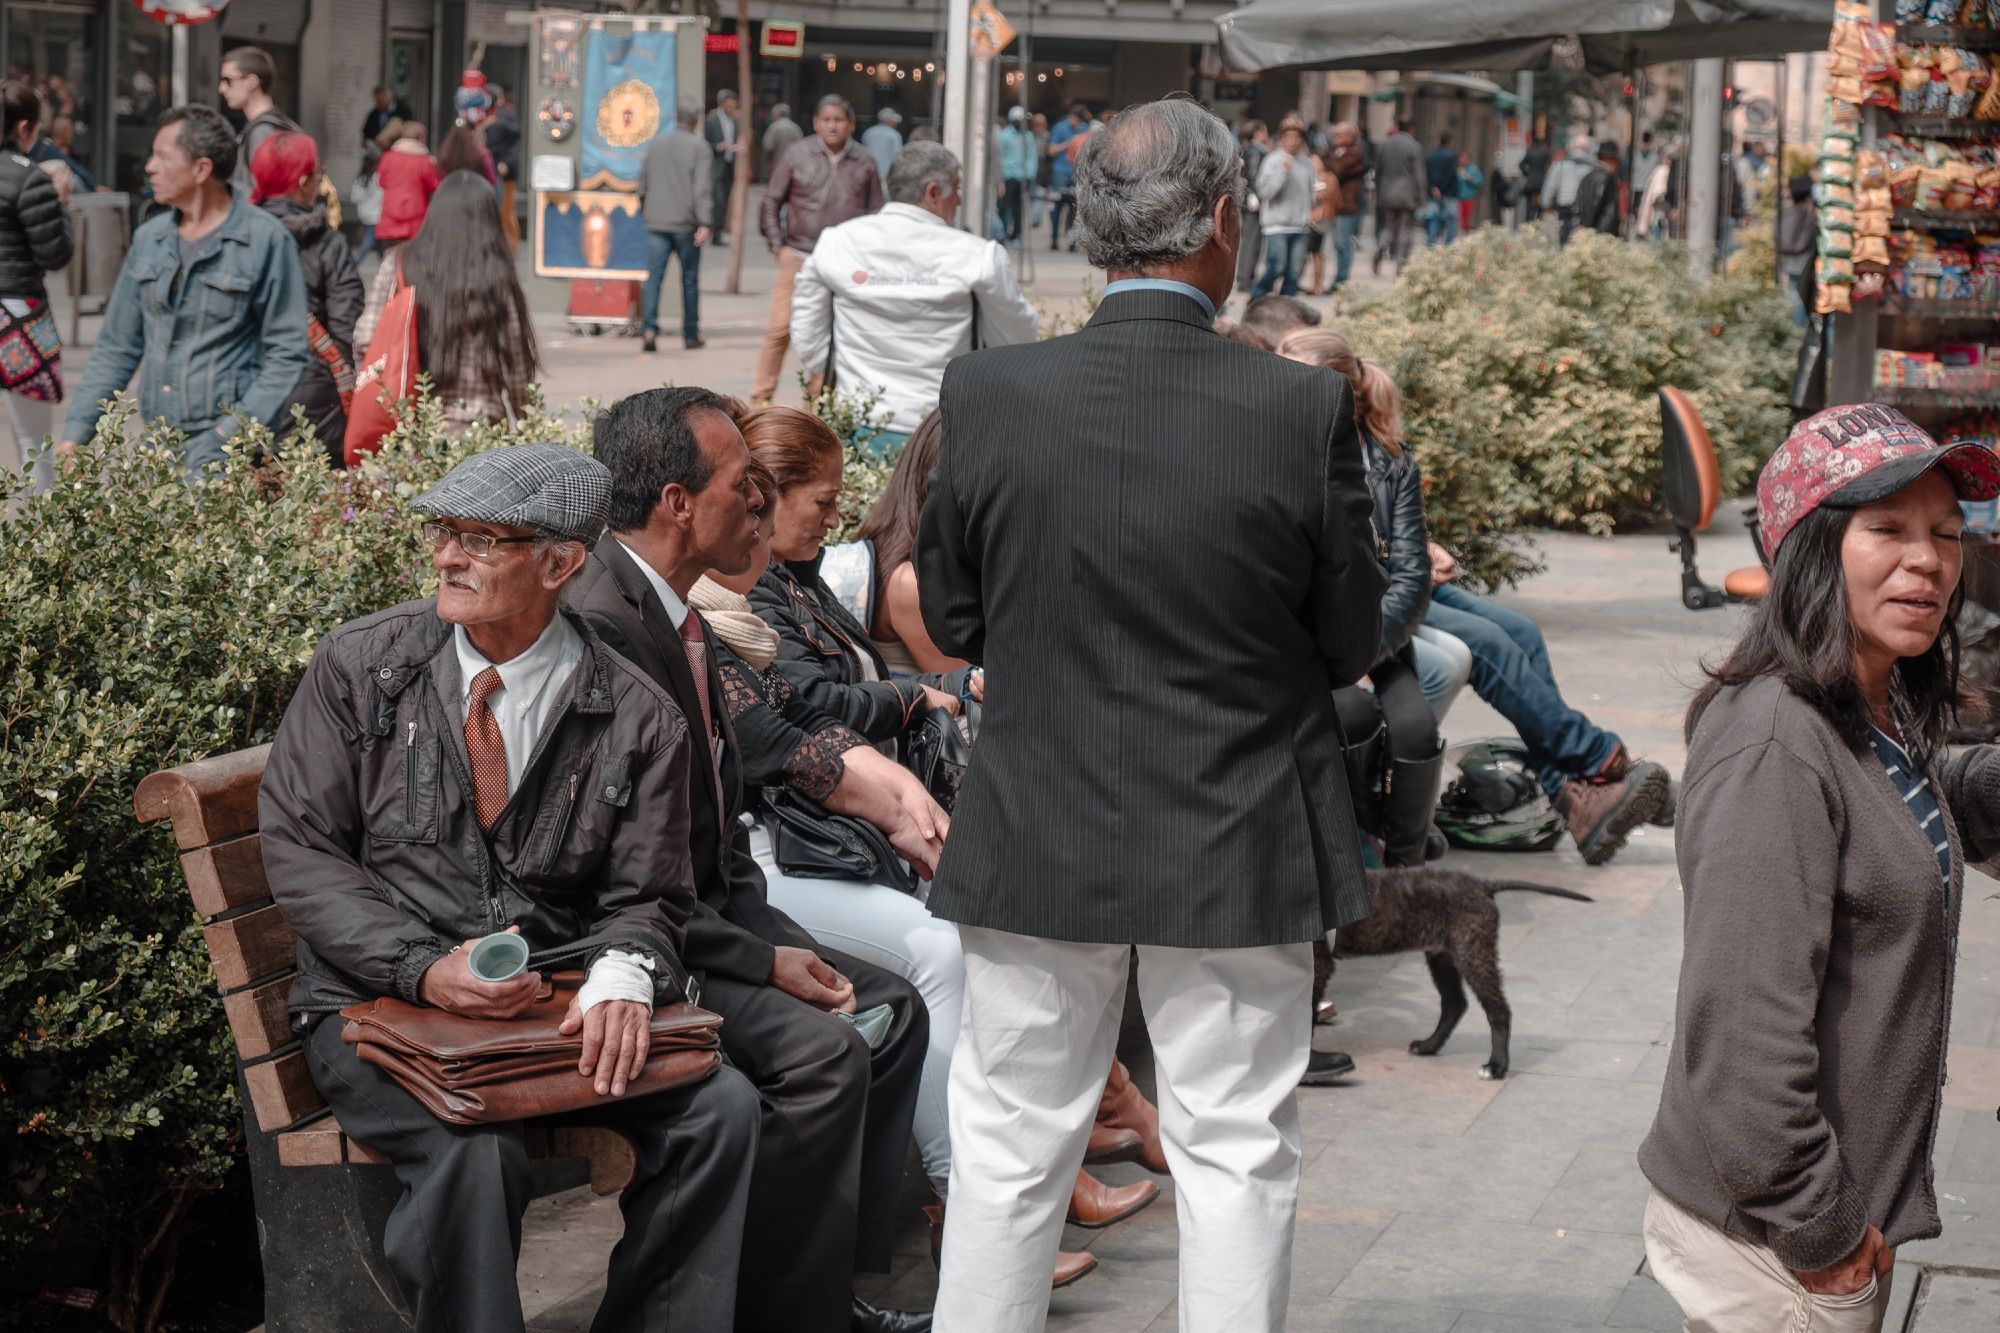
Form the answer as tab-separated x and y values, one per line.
1147	183
919	165
835	100
688	112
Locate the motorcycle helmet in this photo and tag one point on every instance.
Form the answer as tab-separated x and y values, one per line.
1492	801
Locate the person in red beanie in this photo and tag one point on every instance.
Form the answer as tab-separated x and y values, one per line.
409	177
284	175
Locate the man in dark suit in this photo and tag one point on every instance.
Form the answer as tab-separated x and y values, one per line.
1158	543
723	131
836	1117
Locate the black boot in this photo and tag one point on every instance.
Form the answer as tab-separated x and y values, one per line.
1407	807
868	1319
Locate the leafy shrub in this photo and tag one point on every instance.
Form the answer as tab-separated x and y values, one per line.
147	624
1529	376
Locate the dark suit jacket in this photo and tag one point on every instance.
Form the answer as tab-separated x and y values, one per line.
1159	544
734	928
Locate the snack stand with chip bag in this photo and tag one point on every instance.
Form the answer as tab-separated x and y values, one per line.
1909	212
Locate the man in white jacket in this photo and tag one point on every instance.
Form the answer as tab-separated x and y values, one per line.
884	301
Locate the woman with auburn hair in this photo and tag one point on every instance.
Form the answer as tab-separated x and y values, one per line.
1416	751
826	654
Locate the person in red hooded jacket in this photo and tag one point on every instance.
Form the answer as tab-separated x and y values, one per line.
408	177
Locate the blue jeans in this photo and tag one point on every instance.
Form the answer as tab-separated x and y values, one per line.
1510	670
1346	229
660	247
882	443
1441	228
367	242
1284	255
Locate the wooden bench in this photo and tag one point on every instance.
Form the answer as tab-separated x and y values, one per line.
320	1230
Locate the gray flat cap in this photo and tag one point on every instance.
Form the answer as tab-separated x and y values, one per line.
542	486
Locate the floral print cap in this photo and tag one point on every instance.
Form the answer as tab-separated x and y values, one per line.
1855	455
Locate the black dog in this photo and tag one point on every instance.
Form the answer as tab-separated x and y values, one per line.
1451	916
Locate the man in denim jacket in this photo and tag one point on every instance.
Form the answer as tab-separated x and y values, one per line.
210	307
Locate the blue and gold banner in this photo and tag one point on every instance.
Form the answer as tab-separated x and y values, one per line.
628	97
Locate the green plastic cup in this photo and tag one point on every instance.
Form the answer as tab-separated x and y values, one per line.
498	957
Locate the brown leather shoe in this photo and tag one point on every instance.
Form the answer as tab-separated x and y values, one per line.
1601	815
1070	1264
1094	1204
1111	1143
1125	1107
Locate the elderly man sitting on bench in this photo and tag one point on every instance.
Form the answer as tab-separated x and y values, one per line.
475	762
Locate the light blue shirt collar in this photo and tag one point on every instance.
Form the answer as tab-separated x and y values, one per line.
1161	285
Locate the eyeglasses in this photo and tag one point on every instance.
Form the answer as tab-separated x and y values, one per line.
478	545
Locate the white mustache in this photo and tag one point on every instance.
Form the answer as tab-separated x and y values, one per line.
465	581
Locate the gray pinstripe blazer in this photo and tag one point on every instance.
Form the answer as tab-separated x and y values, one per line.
1159	544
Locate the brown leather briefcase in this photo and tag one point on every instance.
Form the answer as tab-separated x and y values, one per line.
479	1071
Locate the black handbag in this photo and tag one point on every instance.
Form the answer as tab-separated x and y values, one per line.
939	748
811	843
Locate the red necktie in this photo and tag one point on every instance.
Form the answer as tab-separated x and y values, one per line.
486	750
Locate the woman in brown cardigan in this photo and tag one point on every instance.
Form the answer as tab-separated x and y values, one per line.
1824	835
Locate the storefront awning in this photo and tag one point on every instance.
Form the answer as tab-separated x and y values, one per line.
1502	35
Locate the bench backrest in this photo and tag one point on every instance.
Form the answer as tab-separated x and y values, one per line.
212	804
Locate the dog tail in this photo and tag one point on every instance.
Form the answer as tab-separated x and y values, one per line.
1523	886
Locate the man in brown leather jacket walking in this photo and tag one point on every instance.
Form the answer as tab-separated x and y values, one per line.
818	182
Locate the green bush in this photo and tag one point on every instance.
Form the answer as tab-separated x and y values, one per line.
147	624
1529	376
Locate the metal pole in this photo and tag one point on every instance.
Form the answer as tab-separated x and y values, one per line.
957	77
978	193
1784	195
1704	165
177	77
1634	187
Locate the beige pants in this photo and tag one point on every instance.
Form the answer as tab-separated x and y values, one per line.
1726	1285
778	335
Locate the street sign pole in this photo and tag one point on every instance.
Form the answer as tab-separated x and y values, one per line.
957	76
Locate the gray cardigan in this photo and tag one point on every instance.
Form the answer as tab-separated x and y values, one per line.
1801	1102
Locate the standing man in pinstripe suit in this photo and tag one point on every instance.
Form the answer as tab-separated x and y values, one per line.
1159	545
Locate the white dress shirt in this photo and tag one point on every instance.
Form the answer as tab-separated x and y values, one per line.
893	294
532	684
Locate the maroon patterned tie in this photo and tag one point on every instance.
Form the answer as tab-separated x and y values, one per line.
486	750
696	644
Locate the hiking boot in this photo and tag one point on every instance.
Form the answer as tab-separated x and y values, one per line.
1619	764
1601	813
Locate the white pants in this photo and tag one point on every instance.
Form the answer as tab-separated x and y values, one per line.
32	421
1231	1029
1727	1285
894	931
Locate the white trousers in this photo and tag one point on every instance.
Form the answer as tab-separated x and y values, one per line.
894	931
1727	1285
1231	1029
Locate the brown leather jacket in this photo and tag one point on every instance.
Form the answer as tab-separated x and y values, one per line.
815	191
1348	165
